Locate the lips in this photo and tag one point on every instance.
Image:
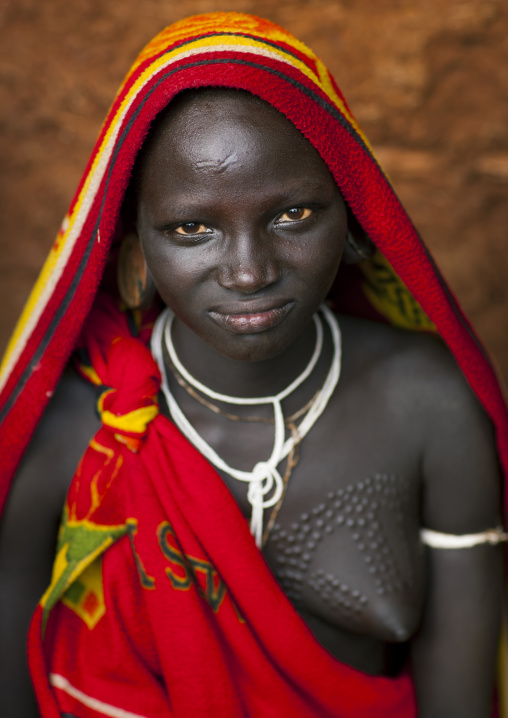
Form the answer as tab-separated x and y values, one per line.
252	322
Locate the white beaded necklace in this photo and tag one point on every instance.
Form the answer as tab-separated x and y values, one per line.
264	477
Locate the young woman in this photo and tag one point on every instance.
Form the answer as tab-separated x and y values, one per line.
366	580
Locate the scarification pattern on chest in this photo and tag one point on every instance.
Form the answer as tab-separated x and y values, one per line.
374	514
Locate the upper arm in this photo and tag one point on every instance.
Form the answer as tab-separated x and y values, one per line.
29	528
462	487
455	651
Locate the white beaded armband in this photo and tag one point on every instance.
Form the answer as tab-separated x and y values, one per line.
436	539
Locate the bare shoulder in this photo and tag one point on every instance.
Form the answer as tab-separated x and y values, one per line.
419	360
418	365
29	528
422	383
61	437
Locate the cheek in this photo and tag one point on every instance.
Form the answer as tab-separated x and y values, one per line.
171	269
321	262
175	286
328	246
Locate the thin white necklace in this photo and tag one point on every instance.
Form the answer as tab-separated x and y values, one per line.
264	477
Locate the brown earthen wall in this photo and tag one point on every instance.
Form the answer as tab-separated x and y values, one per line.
428	81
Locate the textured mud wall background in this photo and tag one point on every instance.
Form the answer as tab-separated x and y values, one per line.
427	79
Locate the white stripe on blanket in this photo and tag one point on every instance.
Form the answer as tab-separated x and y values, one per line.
105	708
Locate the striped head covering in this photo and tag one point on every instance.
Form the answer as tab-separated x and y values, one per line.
400	284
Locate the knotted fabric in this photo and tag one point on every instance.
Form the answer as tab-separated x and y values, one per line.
125	373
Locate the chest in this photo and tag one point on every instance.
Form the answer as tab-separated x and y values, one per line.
345	545
352	556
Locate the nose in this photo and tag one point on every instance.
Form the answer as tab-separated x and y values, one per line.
249	264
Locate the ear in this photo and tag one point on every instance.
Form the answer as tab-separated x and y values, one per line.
135	282
358	244
356	249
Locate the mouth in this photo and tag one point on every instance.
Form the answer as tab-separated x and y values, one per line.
252	322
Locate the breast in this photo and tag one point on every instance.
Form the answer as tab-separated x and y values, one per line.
354	559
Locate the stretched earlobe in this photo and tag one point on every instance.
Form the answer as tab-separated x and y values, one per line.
357	248
135	282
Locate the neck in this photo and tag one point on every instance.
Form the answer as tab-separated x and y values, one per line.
242	378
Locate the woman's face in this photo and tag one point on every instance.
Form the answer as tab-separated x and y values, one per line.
240	221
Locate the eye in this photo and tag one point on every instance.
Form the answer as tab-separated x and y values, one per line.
295	214
191	228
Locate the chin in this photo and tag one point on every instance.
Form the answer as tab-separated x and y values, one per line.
241	345
253	348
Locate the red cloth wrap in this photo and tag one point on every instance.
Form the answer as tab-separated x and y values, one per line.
194	623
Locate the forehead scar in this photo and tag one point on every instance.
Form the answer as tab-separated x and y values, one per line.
220	165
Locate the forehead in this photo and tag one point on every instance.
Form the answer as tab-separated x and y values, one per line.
222	132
